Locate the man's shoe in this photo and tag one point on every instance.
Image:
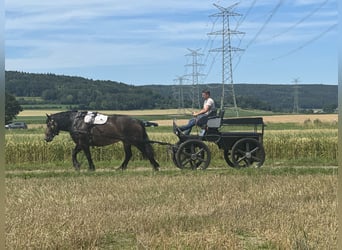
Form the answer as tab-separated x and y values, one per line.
176	129
186	132
179	131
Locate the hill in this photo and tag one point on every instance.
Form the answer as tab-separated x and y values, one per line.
36	90
77	92
275	97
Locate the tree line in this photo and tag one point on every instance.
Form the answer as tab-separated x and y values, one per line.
82	93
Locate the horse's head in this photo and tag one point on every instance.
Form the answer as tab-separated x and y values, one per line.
51	128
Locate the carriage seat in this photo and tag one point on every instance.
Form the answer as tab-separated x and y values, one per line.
215	120
213	123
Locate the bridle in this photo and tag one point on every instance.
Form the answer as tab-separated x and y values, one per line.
53	128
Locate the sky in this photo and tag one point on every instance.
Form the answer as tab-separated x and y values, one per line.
142	42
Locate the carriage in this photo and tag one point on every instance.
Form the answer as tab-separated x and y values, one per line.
87	129
240	139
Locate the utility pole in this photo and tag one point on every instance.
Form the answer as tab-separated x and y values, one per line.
296	96
227	50
195	74
180	80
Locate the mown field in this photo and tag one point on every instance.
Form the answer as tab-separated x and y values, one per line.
289	203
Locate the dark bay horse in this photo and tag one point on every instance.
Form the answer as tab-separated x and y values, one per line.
117	128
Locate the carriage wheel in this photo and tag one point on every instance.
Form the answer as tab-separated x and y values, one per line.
227	154
248	152
193	154
174	152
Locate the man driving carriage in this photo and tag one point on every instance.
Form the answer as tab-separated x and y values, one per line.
201	117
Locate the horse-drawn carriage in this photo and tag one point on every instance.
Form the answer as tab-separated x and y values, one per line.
240	148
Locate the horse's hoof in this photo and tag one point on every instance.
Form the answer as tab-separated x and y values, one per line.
156	169
77	167
120	169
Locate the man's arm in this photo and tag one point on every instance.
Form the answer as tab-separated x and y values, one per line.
204	110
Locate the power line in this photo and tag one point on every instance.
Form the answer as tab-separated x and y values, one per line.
307	43
302	19
210	67
211	41
273	12
243	18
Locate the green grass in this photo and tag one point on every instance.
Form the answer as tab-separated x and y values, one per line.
32	119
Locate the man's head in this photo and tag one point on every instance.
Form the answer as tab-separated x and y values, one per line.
205	94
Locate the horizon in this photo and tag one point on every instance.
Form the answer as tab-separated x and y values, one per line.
155	84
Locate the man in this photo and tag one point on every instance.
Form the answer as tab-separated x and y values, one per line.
200	117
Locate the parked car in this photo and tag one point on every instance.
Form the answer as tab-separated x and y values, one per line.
150	124
16	125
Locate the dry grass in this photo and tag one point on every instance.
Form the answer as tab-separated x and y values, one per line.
192	210
301	118
292	118
329	118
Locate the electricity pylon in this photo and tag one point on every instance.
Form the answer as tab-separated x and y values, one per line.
227	49
180	80
195	74
296	96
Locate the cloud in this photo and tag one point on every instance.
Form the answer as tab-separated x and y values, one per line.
86	34
308	2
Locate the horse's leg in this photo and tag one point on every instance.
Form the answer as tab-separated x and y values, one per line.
128	156
88	155
147	150
75	151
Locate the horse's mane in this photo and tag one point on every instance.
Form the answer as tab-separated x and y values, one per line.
64	114
64	118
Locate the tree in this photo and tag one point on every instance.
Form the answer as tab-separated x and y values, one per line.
12	108
329	108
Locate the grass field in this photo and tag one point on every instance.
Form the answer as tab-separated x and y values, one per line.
304	146
290	203
288	209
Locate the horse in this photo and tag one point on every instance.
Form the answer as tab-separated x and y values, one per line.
128	130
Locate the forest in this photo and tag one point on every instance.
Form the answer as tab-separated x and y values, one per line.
41	90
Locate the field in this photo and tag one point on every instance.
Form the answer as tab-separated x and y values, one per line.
290	203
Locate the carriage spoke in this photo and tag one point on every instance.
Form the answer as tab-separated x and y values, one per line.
241	151
256	158
247	147
187	154
198	154
254	150
241	159
185	161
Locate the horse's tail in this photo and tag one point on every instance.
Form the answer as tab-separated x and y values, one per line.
148	152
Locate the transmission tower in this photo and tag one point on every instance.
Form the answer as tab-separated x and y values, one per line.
296	96
195	74
180	80
227	50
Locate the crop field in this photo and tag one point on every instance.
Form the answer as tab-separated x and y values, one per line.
289	203
289	147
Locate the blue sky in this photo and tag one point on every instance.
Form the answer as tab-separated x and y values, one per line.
146	41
